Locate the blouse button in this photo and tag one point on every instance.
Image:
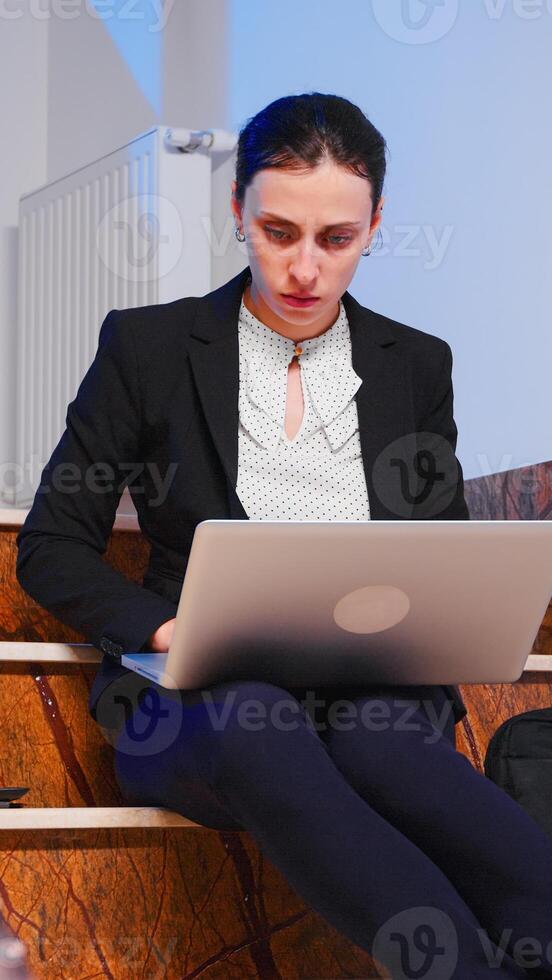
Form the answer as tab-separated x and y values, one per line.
298	350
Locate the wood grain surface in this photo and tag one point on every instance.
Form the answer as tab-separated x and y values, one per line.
137	903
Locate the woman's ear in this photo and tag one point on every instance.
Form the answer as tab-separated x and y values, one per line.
236	210
376	217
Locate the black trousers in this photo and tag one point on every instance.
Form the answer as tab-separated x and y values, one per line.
364	805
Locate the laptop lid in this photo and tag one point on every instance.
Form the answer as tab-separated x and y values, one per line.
358	602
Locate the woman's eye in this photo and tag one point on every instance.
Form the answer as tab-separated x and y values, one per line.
333	239
275	231
340	239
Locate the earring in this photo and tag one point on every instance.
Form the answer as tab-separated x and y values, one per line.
366	251
239	235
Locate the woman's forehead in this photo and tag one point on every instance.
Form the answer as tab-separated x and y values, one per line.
332	198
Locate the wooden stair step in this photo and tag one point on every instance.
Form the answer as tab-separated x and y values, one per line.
86	817
85	653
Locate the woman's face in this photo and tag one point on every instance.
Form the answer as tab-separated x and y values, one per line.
304	233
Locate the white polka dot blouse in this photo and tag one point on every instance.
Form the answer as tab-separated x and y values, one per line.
317	475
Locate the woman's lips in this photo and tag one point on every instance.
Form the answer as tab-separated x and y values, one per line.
294	301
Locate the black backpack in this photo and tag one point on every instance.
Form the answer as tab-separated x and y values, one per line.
519	759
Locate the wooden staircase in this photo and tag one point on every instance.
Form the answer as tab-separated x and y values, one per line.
95	888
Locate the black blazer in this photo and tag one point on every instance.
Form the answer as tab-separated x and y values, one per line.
157	410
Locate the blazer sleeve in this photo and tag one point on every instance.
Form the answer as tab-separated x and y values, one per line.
448	503
62	540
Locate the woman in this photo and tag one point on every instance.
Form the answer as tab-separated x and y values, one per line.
279	396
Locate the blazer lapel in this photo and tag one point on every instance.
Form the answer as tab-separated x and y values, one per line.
214	357
376	357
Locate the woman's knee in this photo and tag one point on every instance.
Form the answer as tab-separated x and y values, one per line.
171	778
377	734
228	727
170	745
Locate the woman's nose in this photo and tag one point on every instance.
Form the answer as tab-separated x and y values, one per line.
305	265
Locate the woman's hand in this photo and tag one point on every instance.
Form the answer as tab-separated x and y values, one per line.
160	641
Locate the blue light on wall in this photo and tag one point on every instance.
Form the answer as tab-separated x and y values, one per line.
135	29
457	90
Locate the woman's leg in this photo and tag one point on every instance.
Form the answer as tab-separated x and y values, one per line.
250	747
155	732
496	856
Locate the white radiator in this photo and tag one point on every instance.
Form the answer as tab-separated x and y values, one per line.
133	228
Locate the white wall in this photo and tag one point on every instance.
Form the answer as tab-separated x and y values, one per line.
111	78
464	111
77	80
463	104
94	103
23	91
196	56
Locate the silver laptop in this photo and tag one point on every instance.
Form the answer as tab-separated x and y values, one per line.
357	602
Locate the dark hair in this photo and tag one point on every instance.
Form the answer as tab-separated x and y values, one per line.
297	132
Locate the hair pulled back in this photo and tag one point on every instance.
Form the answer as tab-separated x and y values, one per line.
299	132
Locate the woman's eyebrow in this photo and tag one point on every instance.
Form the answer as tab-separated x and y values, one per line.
284	221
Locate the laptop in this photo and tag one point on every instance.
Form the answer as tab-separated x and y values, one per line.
357	602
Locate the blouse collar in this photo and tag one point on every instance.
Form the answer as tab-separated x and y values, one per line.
327	370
